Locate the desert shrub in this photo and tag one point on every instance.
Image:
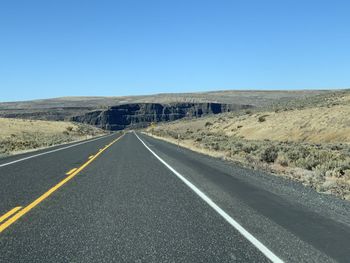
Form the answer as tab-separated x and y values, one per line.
188	131
234	150
70	128
208	123
321	170
269	154
215	146
307	163
296	153
345	164
282	158
172	134
337	172
238	145
336	147
262	118
224	146
249	147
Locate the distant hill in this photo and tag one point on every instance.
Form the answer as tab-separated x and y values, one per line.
66	107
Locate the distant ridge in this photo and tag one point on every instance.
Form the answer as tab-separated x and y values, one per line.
63	108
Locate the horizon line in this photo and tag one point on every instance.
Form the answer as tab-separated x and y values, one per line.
173	93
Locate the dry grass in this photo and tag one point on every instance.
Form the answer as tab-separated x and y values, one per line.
310	145
313	125
18	135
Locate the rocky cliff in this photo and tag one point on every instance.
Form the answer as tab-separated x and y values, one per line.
140	115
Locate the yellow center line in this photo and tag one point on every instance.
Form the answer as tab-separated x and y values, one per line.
71	171
10	213
29	207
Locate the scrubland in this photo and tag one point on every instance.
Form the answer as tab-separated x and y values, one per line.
17	135
306	140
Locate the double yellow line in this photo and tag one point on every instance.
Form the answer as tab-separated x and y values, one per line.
29	207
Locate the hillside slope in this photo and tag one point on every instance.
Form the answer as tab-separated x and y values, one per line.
309	144
18	135
324	124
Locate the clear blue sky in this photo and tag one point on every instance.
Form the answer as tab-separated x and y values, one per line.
54	48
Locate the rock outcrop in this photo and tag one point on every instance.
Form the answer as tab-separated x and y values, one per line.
140	115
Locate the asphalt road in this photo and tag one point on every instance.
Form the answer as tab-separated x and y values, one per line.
151	201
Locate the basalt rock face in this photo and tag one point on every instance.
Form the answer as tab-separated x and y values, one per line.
140	115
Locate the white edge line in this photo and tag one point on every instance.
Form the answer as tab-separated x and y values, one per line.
268	253
56	150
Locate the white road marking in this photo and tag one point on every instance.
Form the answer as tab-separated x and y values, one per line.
56	150
268	253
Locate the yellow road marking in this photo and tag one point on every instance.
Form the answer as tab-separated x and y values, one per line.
71	171
91	156
52	190
10	213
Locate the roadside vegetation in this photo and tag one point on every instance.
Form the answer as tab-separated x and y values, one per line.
17	135
305	140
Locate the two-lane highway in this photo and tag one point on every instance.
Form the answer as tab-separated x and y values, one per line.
133	198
